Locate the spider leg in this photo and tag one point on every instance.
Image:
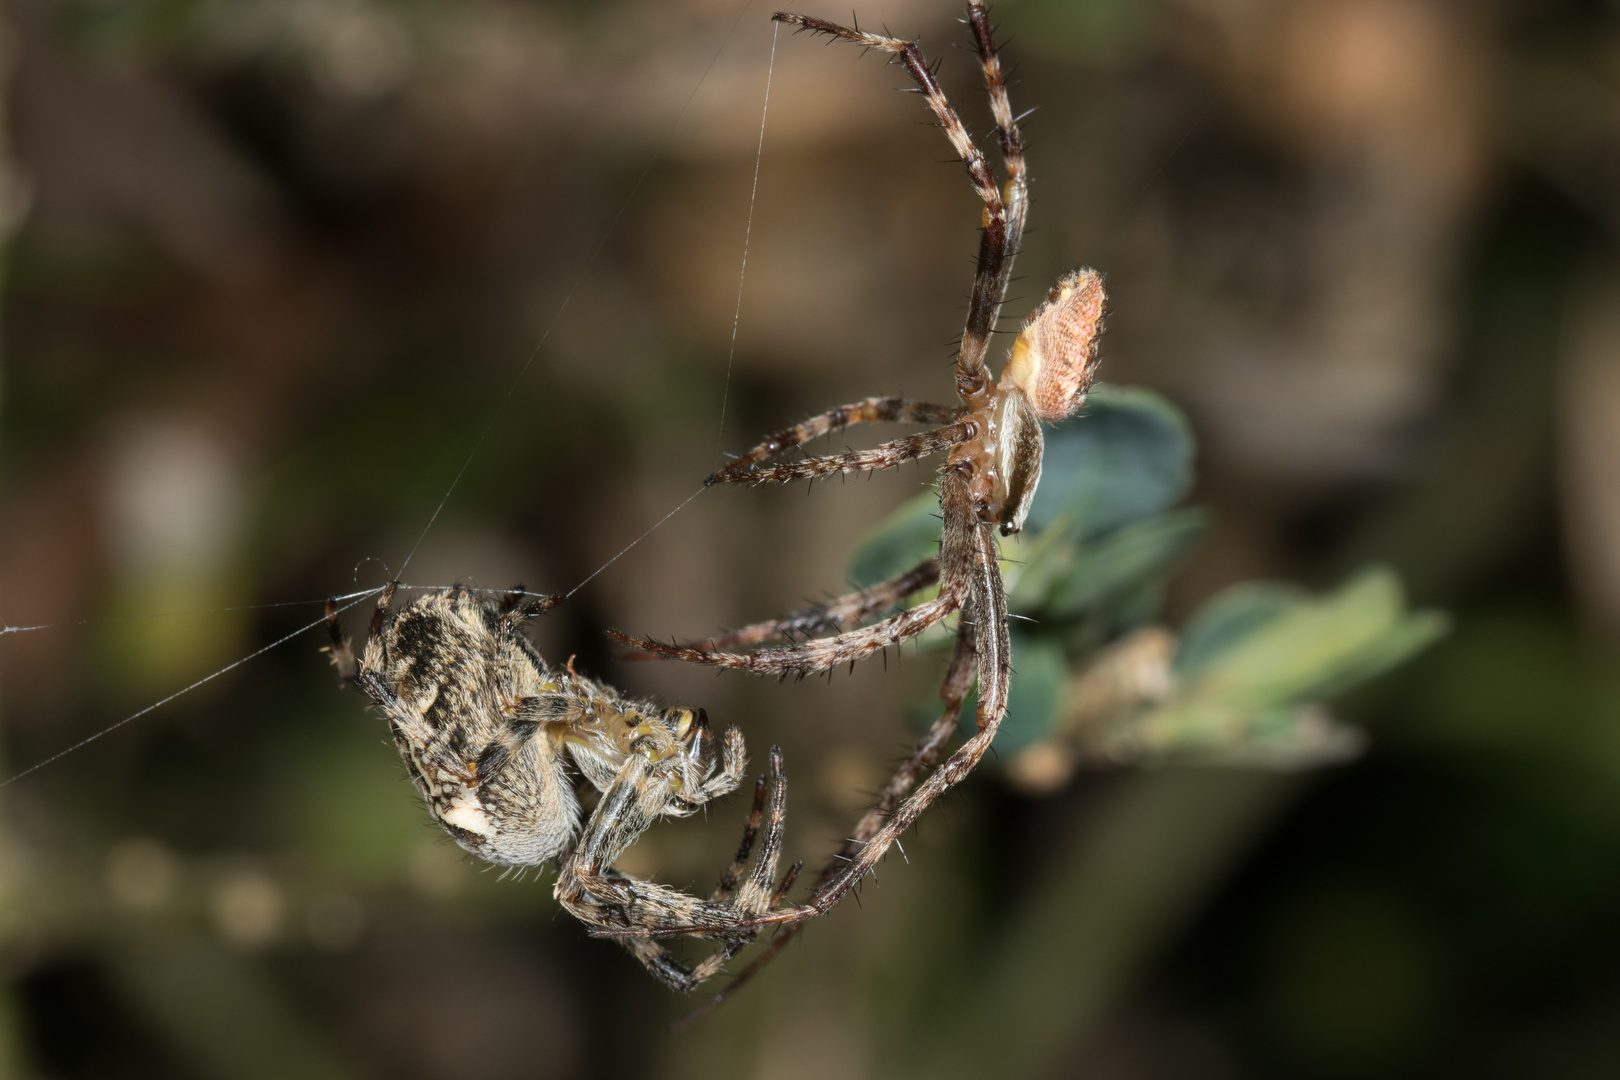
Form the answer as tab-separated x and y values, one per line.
961	549
613	904
817	654
1007	134
969	550
728	880
1002	231
833	615
884	456
986	642
341	648
733	761
898	410
988	611
958	680
996	256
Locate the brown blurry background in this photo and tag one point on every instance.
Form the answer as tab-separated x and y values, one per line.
275	268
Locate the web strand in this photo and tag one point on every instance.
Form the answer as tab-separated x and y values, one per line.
634	542
109	729
748	231
590	263
4	630
354	598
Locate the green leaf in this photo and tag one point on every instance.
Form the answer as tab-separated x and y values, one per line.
1128	455
904	539
1411	636
1317	647
1205	732
1228	618
1101	571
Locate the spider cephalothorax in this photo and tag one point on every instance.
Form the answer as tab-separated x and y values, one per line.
993	444
492	738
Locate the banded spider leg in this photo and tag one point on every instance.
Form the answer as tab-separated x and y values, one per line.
993	446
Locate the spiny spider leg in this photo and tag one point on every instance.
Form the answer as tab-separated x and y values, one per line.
1012	143
817	654
1007	134
993	669
728	880
883	456
965	568
996	254
833	615
758	891
958	680
870	410
992	706
611	903
988	483
997	242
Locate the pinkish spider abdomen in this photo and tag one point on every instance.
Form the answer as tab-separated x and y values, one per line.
1055	355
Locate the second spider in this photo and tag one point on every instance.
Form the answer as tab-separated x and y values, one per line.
993	445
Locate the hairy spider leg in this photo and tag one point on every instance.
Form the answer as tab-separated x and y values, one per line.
958	681
984	639
729	879
1016	193
1012	143
992	655
833	615
1003	220
970	574
610	902
817	654
869	410
1003	228
887	455
341	649
961	550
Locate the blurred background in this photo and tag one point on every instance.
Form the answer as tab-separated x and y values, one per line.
275	268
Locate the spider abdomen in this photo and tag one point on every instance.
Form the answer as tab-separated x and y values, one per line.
1055	356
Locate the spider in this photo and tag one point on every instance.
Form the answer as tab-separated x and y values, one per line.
993	446
488	733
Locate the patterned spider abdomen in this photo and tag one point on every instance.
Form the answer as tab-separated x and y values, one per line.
1055	355
464	701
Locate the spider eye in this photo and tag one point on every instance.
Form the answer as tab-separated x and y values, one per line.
1055	355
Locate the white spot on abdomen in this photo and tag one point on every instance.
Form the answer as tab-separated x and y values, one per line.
465	813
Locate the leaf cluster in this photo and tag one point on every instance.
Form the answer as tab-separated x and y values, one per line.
1100	680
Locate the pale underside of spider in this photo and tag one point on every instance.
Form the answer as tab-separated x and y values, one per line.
993	445
492	737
